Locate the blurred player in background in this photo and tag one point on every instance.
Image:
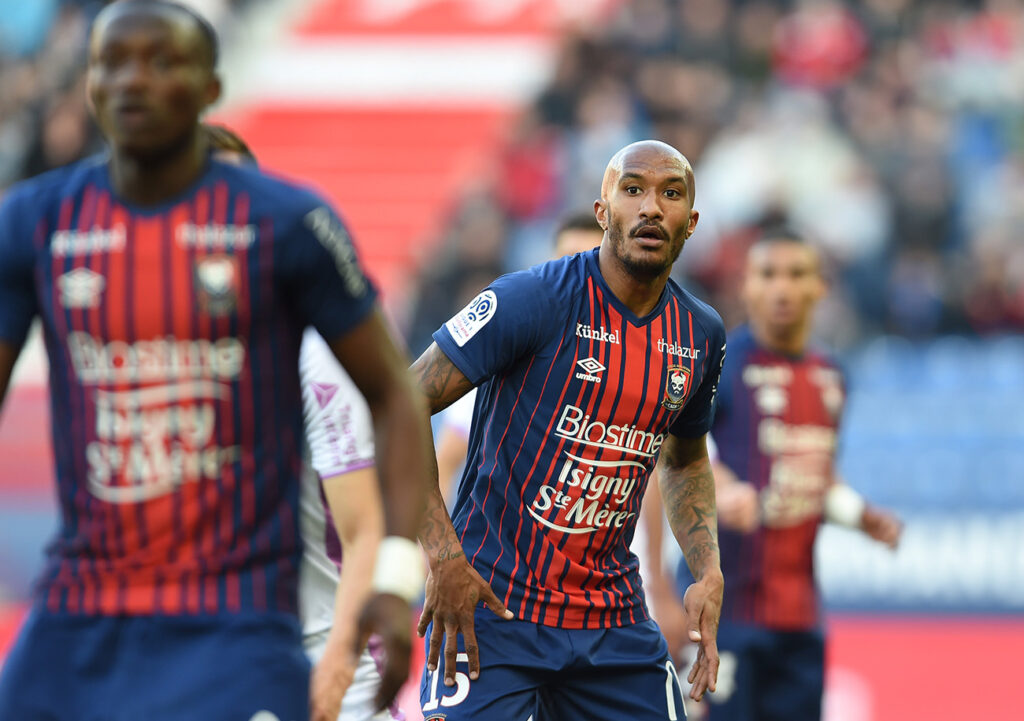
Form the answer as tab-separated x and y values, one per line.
776	430
577	233
341	518
173	291
588	367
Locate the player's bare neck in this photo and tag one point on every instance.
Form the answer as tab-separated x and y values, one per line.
640	294
151	180
785	341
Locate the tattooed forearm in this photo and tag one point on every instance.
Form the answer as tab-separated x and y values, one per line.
688	489
439	380
442	383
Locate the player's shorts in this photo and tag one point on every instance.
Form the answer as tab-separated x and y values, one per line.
768	675
529	671
158	668
358	704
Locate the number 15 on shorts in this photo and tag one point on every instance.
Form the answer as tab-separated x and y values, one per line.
461	688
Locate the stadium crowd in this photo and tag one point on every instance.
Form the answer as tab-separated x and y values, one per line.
888	130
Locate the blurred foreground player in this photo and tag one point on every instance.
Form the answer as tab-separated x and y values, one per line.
776	430
588	367
341	517
576	233
173	291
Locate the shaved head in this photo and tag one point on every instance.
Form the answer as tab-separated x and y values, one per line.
645	151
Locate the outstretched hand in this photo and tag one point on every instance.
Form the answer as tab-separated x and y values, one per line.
390	618
703	606
453	590
882	526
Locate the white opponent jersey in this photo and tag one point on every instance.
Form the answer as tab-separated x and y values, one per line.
339	431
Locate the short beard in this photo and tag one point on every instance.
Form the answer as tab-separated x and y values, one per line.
646	270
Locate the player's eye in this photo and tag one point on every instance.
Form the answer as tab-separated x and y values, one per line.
673	194
162	61
633	189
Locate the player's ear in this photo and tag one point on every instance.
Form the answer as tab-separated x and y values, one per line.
601	213
213	90
692	226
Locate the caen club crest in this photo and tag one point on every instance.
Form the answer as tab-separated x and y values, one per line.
216	280
677	386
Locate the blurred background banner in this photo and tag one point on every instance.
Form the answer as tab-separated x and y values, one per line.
453	134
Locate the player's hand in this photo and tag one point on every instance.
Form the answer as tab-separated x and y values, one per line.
331	678
669	614
390	618
882	526
453	590
703	606
739	506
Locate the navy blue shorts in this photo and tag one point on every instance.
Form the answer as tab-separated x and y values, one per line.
157	668
768	675
553	674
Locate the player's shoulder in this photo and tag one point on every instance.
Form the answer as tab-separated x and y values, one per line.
552	281
703	313
42	193
824	357
274	194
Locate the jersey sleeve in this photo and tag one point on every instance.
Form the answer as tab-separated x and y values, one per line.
322	275
17	290
699	413
505	322
339	428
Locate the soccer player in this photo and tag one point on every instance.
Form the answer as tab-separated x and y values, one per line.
780	403
576	233
173	291
589	368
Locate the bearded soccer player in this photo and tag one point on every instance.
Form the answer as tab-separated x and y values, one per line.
776	430
173	291
589	368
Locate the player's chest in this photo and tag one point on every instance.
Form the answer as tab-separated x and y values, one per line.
143	278
794	406
626	373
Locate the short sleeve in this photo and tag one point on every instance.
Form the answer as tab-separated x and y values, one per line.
322	275
339	428
505	322
17	288
699	412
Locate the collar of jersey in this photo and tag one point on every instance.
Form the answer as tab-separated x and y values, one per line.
165	205
595	269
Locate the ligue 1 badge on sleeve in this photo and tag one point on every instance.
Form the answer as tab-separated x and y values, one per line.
216	281
677	386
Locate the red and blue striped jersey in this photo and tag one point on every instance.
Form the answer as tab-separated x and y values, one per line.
776	427
576	396
173	336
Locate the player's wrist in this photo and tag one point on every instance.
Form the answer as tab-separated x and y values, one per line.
712	576
399	569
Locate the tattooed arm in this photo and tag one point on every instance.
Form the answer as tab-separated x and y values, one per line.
453	587
688	492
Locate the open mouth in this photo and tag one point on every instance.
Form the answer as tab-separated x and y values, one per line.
132	112
650	234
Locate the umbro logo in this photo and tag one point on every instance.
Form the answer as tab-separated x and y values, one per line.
81	288
323	392
591	367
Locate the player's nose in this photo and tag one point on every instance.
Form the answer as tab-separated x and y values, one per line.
649	206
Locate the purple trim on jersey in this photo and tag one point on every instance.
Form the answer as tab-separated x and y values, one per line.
342	469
